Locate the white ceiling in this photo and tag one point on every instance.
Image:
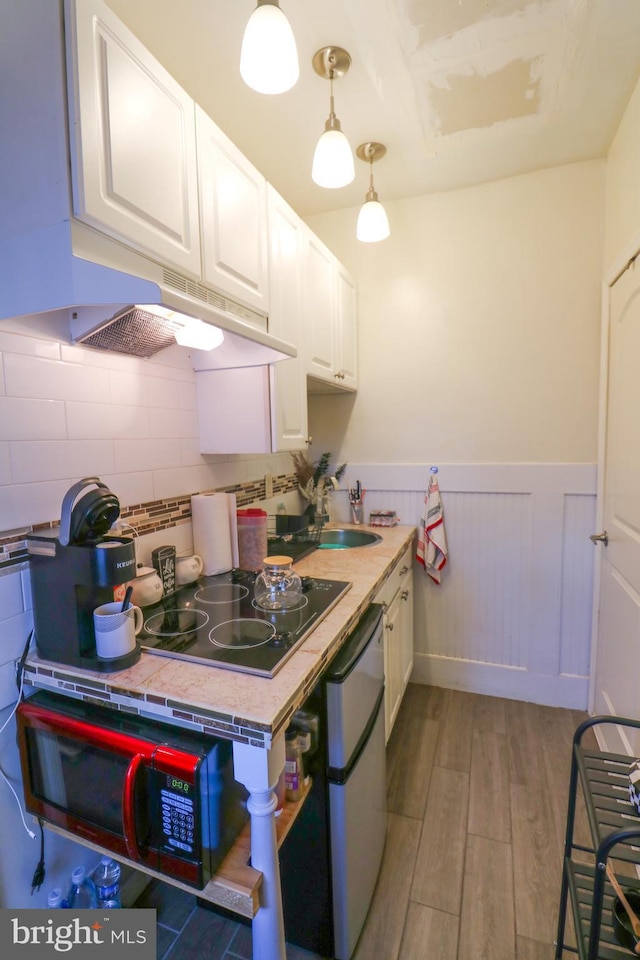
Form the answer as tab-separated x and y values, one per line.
459	91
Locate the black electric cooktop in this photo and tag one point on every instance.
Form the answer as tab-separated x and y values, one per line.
216	621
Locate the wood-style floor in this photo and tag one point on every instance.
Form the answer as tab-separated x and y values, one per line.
477	793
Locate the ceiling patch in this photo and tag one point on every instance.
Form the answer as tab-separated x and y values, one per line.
475	101
434	19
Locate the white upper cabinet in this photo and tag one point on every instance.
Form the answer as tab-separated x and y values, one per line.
331	318
346	328
288	377
233	218
133	143
319	308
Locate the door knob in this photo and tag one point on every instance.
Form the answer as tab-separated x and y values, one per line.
599	538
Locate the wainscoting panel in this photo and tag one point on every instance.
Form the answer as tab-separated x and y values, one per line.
512	616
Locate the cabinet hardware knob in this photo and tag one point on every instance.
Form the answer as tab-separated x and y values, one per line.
404	595
404	570
389	626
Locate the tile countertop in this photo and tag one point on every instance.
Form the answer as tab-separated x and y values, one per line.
239	705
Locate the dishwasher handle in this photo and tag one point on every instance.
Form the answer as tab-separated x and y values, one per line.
355	645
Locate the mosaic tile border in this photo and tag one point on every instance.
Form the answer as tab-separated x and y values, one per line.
150	517
149	705
176	712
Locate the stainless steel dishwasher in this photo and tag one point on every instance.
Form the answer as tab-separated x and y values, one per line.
331	858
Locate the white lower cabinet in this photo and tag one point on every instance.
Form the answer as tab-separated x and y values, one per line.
396	596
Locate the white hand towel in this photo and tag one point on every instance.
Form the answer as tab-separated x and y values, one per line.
432	539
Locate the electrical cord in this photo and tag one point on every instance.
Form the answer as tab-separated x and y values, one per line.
20	666
20	680
39	872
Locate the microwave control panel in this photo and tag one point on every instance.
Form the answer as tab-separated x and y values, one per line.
178	813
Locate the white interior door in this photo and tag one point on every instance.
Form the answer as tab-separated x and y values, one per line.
617	677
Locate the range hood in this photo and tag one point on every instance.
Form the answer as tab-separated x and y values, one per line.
97	288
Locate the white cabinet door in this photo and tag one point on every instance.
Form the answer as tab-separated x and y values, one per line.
393	668
233	410
133	144
396	596
233	218
319	308
330	311
346	329
289	430
406	629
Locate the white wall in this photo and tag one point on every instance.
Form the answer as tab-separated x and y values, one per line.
68	412
479	325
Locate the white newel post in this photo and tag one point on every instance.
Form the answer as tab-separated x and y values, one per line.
259	769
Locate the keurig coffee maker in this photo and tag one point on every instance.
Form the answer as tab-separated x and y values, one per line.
73	570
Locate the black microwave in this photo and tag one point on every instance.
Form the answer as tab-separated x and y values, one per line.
159	795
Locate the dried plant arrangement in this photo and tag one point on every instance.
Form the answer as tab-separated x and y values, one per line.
314	478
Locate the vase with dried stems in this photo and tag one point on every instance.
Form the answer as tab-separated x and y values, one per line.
315	480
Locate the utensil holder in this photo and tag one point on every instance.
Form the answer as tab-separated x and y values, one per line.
356	511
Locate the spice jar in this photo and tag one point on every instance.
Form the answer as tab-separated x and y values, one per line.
278	587
252	538
292	765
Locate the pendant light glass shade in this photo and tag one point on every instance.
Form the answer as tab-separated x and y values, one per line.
373	223
269	58
333	161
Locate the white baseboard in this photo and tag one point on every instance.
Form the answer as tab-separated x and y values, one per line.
501	681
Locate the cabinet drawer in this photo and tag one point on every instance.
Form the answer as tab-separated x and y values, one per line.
402	568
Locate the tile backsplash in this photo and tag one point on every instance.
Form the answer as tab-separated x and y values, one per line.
68	412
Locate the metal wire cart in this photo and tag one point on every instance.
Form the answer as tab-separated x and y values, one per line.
614	826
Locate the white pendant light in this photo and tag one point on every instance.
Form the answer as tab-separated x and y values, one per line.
269	58
333	160
373	224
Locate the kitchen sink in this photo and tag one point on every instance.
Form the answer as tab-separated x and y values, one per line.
343	539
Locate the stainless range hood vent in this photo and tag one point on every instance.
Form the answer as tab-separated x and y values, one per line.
135	332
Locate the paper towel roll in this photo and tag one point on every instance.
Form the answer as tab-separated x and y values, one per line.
214	536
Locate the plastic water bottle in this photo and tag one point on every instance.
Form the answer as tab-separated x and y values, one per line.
106	877
82	895
56	900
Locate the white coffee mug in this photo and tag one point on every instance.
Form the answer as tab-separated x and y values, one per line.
188	569
116	629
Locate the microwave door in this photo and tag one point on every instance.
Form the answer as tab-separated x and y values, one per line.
51	770
90	782
129	807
